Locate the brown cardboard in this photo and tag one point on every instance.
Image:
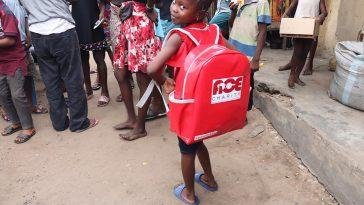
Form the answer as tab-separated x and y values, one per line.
299	27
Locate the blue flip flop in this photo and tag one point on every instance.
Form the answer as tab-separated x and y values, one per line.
178	193
198	180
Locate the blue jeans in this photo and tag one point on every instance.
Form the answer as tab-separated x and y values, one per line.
60	62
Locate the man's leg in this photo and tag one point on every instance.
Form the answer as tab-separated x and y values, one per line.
309	65
67	54
49	70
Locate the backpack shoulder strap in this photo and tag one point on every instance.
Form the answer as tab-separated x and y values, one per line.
190	33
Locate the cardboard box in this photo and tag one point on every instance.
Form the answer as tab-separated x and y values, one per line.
299	27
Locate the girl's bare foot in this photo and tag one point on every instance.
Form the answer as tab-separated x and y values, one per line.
128	125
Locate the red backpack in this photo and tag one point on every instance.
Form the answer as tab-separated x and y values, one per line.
212	89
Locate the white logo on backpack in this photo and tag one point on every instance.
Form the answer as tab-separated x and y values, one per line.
226	89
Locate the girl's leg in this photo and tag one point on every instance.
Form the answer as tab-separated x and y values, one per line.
126	92
99	57
85	56
188	173
204	158
308	69
143	81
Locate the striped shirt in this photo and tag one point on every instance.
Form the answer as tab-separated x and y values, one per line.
244	33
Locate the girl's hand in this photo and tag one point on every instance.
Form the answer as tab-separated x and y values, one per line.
168	85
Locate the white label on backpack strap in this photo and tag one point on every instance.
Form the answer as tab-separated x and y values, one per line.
226	89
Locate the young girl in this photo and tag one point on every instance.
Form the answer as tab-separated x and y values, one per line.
137	45
303	9
187	14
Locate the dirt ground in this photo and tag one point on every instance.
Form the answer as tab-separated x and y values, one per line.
96	167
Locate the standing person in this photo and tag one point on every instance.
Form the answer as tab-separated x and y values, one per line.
86	14
323	13
222	16
249	20
165	16
13	68
29	85
56	45
189	14
137	45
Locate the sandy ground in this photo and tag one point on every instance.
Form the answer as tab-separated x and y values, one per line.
96	167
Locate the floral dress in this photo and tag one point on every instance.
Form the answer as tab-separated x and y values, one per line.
137	44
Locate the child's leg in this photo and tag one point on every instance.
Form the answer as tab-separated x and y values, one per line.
308	69
99	57
127	95
86	71
188	155
204	158
143	81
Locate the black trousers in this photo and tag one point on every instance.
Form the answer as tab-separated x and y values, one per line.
60	61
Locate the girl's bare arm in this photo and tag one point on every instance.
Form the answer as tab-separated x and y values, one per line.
171	47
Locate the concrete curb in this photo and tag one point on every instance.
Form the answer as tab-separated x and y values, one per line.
326	159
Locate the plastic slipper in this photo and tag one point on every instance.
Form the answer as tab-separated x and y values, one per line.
103	101
132	136
39	109
9	130
93	123
151	115
96	86
199	181
178	193
21	138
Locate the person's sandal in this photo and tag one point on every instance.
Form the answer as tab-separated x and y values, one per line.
178	194
21	138
93	123
9	130
39	109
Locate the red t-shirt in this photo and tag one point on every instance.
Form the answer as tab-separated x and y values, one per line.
202	33
11	58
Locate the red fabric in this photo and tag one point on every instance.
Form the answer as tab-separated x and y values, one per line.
177	61
13	57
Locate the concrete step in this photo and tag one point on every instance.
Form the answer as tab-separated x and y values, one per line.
326	135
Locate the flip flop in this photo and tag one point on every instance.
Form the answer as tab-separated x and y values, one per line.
93	123
130	136
39	109
21	138
9	130
199	181
103	101
178	194
96	86
151	115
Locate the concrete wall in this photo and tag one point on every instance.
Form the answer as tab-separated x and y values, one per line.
345	19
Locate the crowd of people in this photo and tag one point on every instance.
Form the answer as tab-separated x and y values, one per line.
63	32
